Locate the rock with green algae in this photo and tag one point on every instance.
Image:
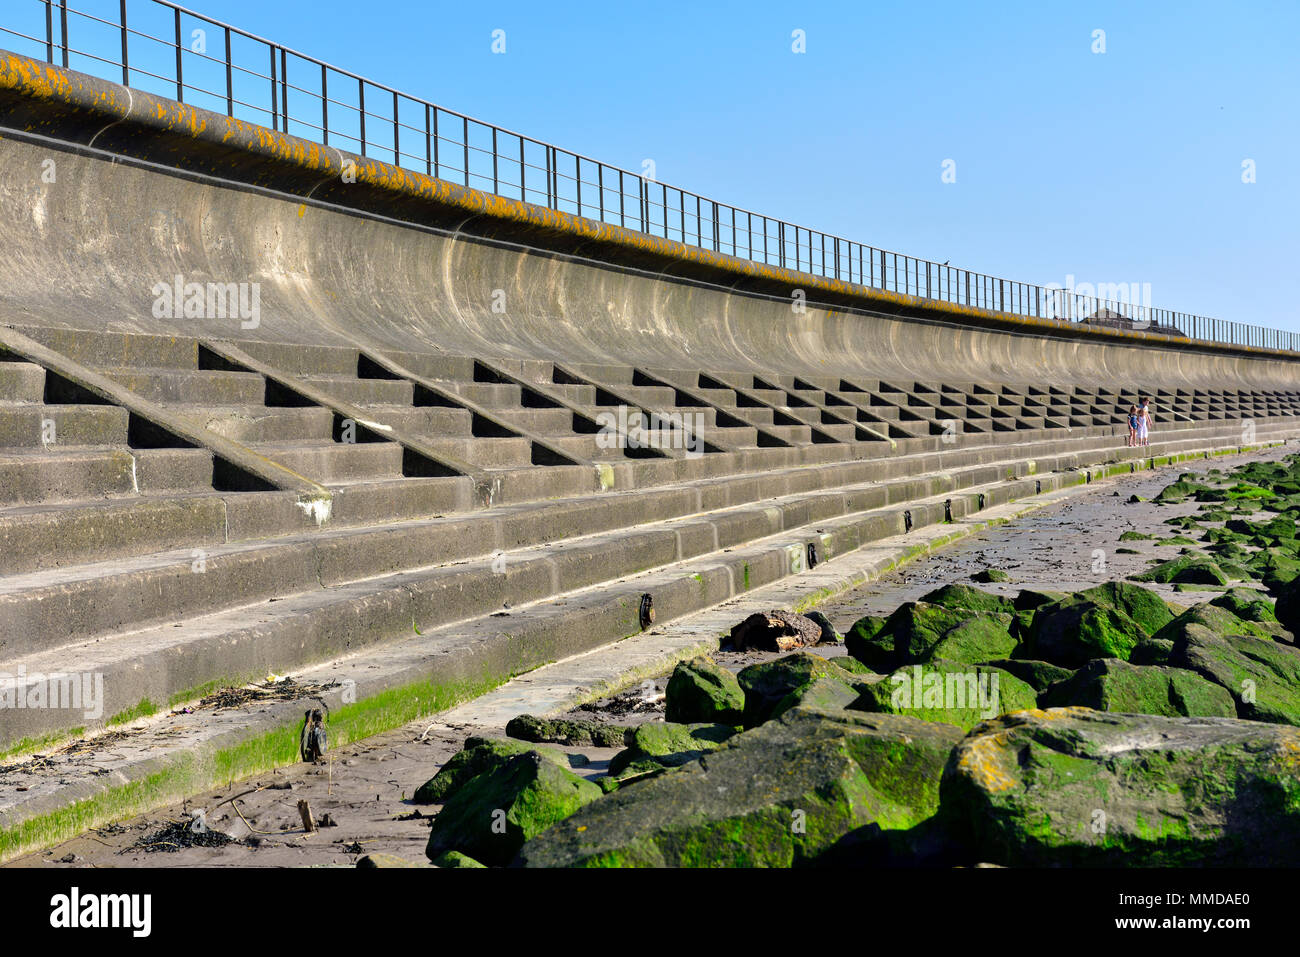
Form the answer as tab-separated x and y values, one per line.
958	595
770	685
527	727
1072	632
1078	787
948	692
870	644
976	639
478	756
1193	568
456	859
1108	684
990	575
1247	604
665	744
1262	675
493	814
1039	675
775	796
1149	610
700	691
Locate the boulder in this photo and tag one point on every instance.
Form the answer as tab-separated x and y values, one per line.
491	816
478	756
1149	610
1262	675
976	639
1072	632
1039	675
456	859
1077	787
989	575
949	692
1247	604
700	691
775	630
829	635
768	686
596	734
957	596
916	627
665	744
869	642
1193	569
776	796
1108	684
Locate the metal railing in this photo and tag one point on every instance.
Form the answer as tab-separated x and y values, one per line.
166	49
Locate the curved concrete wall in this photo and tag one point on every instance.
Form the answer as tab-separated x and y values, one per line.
134	202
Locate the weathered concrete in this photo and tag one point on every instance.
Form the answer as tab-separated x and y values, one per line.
329	276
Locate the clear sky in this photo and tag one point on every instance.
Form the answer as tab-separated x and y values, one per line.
1122	166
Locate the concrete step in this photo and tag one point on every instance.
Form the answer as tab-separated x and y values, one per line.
304	360
34	426
327	462
203	387
430	366
118	350
21	382
33	477
172	662
492	453
260	423
160	471
489	395
365	392
540	421
426	421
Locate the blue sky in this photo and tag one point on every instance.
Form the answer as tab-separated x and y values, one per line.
1123	166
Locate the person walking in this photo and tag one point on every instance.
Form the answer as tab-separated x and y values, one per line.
1144	422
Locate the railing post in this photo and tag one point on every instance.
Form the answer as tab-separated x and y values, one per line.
63	29
325	103
126	58
49	31
230	79
180	81
275	97
361	112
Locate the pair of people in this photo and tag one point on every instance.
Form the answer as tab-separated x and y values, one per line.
1139	423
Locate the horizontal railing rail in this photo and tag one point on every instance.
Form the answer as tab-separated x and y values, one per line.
163	48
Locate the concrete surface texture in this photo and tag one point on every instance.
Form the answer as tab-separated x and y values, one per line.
403	463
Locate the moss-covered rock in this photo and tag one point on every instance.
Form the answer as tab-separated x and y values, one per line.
869	643
527	727
948	692
491	816
1039	675
1246	604
1078	787
661	744
768	685
957	596
1262	675
1178	492
1072	632
477	757
917	627
1149	610
1275	567
977	639
776	796
700	691
990	575
1151	651
1193	568
456	859
1109	684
